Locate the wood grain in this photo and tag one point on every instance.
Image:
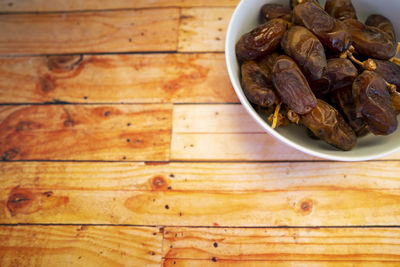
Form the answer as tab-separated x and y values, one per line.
232	147
227	133
213	119
201	194
280	263
151	78
79	246
349	245
59	5
203	29
72	132
115	31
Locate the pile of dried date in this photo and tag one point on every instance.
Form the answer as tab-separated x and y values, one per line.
324	69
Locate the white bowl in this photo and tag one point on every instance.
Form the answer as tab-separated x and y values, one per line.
245	18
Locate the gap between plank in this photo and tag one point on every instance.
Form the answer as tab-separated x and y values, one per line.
195	161
111	53
268	260
94	53
208	227
66	103
60	102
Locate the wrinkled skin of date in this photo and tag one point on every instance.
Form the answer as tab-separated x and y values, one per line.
328	125
389	71
340	72
373	103
256	86
340	9
305	48
370	41
267	64
276	11
383	24
345	103
292	86
330	31
262	40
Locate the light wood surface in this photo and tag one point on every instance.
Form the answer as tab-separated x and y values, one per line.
90	32
278	263
78	132
122	143
78	5
79	245
203	29
207	132
202	194
142	78
311	244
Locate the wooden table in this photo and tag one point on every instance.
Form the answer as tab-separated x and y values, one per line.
123	143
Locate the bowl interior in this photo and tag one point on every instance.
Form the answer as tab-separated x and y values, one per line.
246	17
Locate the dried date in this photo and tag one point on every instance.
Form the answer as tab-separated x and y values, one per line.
373	104
326	123
389	71
382	23
276	11
262	40
330	31
257	87
267	64
340	9
345	103
292	86
340	72
305	48
370	41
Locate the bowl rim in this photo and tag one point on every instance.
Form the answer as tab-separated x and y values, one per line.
230	55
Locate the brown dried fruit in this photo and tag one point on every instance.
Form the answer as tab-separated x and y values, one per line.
256	86
262	40
292	86
305	48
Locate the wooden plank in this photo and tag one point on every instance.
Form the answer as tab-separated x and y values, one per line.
79	246
203	29
190	78
238	147
227	133
344	245
213	119
116	31
224	132
284	263
201	194
95	132
232	147
73	5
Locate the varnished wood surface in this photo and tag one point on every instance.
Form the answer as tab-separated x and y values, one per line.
140	78
201	194
79	132
207	132
78	5
113	31
278	263
203	29
275	244
122	143
80	245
